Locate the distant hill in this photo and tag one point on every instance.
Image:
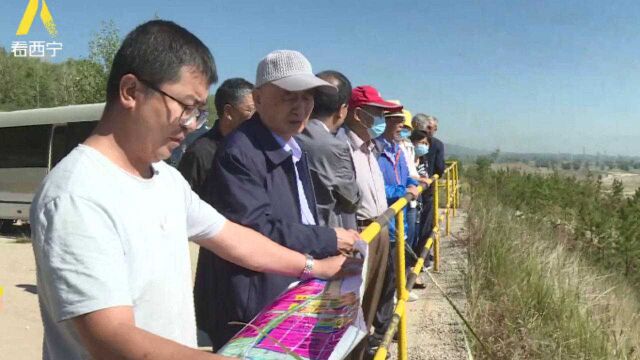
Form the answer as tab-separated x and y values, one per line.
460	151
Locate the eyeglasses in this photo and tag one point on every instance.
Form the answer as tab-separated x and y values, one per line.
189	112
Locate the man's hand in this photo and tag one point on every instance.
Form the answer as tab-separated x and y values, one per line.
336	267
413	191
346	240
425	180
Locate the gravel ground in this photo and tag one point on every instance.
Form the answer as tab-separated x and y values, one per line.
434	329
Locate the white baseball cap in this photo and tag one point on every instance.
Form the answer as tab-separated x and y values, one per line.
289	70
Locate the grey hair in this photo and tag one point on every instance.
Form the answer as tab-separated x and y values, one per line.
231	91
420	121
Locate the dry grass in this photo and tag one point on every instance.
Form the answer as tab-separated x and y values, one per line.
531	298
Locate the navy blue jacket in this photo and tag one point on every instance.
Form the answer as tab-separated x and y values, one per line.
253	183
435	165
435	158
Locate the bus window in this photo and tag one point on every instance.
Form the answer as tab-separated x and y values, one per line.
24	146
80	131
59	146
67	137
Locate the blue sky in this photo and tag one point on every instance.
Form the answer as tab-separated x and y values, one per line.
525	76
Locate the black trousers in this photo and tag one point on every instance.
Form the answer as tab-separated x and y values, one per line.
426	223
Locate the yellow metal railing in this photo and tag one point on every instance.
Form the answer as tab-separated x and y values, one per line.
404	284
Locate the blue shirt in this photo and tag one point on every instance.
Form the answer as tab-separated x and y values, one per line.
395	173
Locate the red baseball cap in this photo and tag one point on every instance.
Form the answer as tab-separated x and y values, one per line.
368	95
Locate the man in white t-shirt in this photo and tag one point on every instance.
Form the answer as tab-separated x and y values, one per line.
110	223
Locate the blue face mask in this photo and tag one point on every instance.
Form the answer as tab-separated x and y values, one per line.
378	127
404	133
422	149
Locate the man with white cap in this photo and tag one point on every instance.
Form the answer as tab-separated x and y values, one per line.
260	179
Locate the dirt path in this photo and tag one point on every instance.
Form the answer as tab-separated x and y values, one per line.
434	328
20	326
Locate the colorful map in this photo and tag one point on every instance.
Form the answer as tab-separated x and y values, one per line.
314	320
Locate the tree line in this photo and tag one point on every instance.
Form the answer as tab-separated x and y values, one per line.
27	83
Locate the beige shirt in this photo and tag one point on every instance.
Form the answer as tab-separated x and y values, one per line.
368	176
410	157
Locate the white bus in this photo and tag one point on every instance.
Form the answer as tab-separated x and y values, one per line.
32	142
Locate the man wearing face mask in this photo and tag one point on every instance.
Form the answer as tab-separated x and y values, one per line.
365	122
434	163
421	146
397	184
407	146
409	155
393	163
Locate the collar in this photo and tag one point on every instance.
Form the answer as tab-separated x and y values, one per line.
325	126
214	133
357	142
319	123
290	146
265	140
387	145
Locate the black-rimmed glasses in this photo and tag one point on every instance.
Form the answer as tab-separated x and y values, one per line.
189	112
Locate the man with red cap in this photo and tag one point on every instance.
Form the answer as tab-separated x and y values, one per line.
365	121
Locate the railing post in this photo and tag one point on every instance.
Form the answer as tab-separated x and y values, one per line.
454	186
401	283
457	186
449	201
436	225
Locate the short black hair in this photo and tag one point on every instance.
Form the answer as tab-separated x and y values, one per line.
156	51
327	104
231	91
417	135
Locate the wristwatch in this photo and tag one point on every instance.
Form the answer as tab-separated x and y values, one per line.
308	268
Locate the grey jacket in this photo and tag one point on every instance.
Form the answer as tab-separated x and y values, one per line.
333	176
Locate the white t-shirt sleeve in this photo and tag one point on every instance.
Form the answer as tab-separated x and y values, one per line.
203	221
81	260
